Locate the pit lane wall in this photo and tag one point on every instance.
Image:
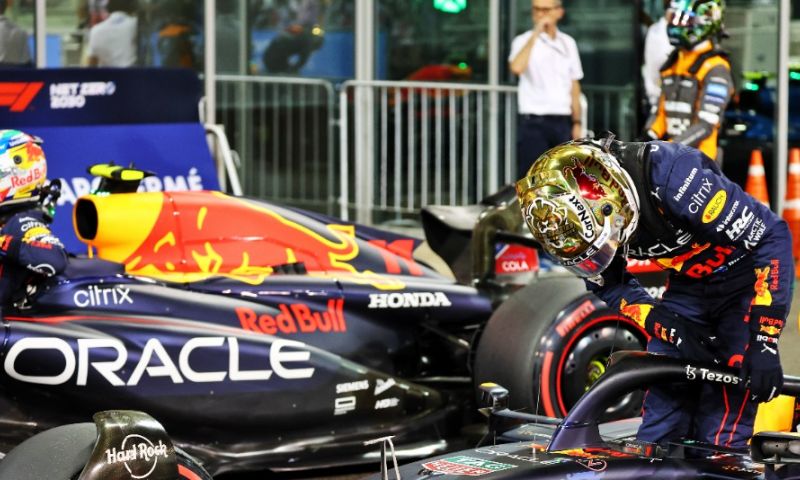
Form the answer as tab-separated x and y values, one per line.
145	117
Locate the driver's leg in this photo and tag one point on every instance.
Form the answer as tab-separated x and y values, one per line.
725	415
667	411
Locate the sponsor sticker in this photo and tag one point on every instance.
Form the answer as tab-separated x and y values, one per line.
383	385
699	198
295	318
740	224
384	403
464	465
138	454
724	223
509	259
715	206
693	373
408	300
287	359
95	296
686	183
352	386
343	405
755	234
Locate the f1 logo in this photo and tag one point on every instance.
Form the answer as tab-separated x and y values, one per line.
18	95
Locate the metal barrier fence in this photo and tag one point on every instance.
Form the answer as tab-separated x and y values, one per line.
401	145
283	131
411	144
612	108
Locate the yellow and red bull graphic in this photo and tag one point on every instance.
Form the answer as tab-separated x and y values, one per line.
295	318
676	263
192	236
637	312
763	296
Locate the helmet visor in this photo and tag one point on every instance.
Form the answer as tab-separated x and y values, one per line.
598	256
683	18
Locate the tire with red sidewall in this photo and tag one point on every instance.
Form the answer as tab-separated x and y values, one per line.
543	338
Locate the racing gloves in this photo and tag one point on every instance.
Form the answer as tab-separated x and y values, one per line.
614	274
761	366
694	341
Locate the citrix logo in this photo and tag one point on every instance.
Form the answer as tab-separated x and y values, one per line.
94	296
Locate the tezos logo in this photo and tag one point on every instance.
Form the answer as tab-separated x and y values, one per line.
138	454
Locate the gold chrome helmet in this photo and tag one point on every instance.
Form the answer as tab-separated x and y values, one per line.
580	204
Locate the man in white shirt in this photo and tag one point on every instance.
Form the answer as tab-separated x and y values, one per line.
112	42
549	68
14	50
656	51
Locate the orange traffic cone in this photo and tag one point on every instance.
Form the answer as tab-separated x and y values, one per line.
791	209
756	179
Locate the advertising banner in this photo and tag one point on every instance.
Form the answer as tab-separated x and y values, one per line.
147	118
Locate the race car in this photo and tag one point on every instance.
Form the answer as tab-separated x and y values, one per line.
581	446
266	337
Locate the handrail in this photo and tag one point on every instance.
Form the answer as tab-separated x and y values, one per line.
478	87
228	164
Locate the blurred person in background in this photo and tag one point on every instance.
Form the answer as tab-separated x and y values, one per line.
657	48
14	51
549	68
176	46
113	42
696	82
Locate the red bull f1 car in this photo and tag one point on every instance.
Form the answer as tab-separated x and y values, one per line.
265	337
581	446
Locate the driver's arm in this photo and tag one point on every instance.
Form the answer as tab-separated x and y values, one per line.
27	241
622	291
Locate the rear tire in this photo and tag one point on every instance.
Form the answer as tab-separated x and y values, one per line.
551	340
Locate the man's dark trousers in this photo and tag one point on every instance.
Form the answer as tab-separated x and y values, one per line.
537	133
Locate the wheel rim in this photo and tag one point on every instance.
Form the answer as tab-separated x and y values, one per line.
586	362
595	368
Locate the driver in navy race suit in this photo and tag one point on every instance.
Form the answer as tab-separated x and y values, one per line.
28	249
593	204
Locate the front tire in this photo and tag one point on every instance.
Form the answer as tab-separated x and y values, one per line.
549	342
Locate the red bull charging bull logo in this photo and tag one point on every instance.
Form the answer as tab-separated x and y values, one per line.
763	295
637	312
676	263
192	236
588	185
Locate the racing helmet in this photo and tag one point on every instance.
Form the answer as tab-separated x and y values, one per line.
23	168
580	205
690	22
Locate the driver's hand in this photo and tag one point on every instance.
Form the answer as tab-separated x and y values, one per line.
614	274
761	366
694	341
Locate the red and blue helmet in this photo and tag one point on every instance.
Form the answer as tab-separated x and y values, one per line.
23	167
